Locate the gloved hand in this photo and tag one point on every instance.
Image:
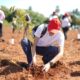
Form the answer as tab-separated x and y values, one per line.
46	67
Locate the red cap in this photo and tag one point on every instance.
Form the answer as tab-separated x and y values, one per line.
54	24
66	14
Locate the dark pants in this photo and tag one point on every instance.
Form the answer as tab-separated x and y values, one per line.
26	46
48	53
65	30
0	29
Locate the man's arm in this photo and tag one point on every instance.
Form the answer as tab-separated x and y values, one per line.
58	56
25	30
34	49
46	67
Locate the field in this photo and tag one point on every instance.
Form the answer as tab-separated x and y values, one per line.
12	57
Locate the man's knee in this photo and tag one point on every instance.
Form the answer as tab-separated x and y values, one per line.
24	42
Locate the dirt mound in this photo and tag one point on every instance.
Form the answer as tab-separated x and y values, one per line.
34	73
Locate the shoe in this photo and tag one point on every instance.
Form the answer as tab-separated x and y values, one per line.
23	64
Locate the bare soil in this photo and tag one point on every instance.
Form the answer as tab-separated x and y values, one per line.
13	60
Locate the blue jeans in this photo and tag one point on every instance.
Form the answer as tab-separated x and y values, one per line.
48	53
26	46
1	30
65	30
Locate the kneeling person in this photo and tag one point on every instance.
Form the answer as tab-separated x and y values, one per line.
45	45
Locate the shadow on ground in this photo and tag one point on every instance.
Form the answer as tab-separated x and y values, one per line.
9	67
75	74
75	63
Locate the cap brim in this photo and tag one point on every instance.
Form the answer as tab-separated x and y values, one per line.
53	31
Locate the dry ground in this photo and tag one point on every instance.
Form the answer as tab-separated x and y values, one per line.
12	56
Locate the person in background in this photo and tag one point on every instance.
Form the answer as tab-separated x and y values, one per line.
14	25
66	23
2	17
28	21
53	15
25	43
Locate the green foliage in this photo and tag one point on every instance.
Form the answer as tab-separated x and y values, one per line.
20	17
6	10
36	17
6	23
76	12
75	17
19	14
10	13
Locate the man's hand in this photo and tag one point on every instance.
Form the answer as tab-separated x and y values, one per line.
46	67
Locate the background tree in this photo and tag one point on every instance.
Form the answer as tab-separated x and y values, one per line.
57	9
75	15
36	17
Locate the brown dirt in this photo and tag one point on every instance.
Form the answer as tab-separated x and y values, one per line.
12	56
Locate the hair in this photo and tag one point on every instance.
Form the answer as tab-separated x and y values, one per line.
46	21
27	17
63	16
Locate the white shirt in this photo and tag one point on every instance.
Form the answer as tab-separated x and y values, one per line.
65	22
2	16
52	17
48	40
